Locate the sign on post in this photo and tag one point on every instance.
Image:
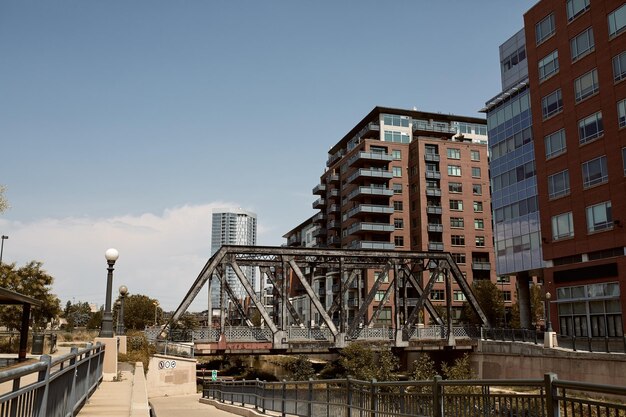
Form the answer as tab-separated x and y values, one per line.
213	375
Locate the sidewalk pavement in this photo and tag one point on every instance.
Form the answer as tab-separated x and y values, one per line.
185	405
111	399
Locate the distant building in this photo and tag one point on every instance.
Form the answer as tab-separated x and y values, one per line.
404	180
233	227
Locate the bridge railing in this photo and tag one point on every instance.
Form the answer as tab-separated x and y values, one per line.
436	398
52	386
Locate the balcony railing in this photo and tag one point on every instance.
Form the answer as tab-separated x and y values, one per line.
433	175
435	246
319	217
319	189
432	157
334	158
332	178
320	232
364	244
334	208
332	193
370	227
319	203
370	156
434	210
431	126
433	192
334	240
435	227
376	191
370	208
481	266
370	173
333	224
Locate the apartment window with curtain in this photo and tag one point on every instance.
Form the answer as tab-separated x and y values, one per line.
558	184
599	217
562	226
590	128
552	104
586	85
595	172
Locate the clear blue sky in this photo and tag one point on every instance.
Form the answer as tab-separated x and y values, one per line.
122	123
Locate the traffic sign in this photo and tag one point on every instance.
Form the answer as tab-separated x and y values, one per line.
213	375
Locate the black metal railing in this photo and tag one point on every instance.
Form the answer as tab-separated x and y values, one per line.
52	386
437	398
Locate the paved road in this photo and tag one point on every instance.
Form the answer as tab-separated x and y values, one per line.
185	406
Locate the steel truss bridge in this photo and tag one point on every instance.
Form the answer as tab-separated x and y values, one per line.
291	271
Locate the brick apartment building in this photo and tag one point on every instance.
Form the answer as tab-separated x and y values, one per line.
404	180
576	52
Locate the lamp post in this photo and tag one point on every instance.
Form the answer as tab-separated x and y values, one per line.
156	307
106	330
548	323
2	247
120	314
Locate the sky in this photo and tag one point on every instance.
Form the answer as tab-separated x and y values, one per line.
123	124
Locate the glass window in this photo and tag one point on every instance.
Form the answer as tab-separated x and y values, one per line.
459	258
475	172
395	120
454	153
397	171
558	184
549	65
575	8
544	29
590	128
621	113
599	217
586	85
562	226
397	188
551	104
475	155
457	240
624	160
617	21
431	149
456	205
582	44
555	144
397	206
398	137
398	240
457	222
398	223
480	241
478	206
619	66
477	189
595	172
396	154
479	224
455	187
379	296
454	170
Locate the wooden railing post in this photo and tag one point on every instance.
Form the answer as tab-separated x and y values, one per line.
437	397
552	403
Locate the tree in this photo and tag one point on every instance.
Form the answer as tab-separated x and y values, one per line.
423	368
4	204
536	307
489	298
30	280
139	311
359	361
77	315
301	368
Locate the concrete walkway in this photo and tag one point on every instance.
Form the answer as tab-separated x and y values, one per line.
112	399
185	405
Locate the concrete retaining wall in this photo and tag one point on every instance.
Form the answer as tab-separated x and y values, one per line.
506	360
171	375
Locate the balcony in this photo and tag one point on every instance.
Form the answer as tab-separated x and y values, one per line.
334	158
320	232
319	203
333	224
373	191
353	302
334	240
319	218
365	244
433	175
294	240
433	192
371	173
364	227
433	209
430	126
333	178
370	209
319	189
435	227
432	157
435	246
481	266
333	193
369	157
334	208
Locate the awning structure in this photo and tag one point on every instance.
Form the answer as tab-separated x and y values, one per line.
8	297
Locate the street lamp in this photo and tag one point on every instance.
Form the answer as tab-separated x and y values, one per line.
106	330
548	324
120	314
2	247
156	307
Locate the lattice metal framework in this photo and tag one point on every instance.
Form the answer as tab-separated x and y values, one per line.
284	266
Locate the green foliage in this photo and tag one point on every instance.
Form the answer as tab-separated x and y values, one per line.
77	315
423	368
536	307
139	312
359	361
301	368
489	298
137	350
461	369
33	281
95	321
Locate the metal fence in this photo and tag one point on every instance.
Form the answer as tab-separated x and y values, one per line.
436	398
52	387
183	350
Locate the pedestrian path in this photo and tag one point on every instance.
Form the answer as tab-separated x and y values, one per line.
112	399
185	405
